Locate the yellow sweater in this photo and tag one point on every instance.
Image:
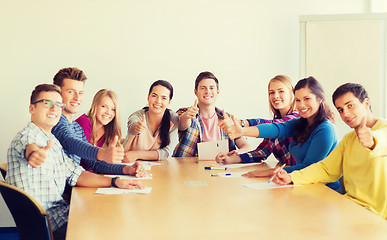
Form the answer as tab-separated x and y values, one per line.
364	170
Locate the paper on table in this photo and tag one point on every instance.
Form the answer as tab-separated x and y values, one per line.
152	163
113	190
237	165
146	164
147	176
266	185
195	183
229	174
209	150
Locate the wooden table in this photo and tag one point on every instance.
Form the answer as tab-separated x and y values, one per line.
222	210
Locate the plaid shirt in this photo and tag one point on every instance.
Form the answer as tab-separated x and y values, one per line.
45	183
188	139
277	146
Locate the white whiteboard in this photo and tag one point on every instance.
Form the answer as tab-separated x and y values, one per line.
339	49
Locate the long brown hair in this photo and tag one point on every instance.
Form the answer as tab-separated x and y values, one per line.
111	129
302	129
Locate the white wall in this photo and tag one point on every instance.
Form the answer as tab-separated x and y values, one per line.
346	47
126	45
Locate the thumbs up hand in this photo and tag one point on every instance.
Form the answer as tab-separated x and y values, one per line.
36	155
112	154
138	127
235	130
191	111
185	119
226	123
364	134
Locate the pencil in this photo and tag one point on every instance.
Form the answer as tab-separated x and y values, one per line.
275	172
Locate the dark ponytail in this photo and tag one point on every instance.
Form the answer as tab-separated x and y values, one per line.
164	129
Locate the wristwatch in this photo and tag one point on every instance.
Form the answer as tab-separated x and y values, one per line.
243	123
114	182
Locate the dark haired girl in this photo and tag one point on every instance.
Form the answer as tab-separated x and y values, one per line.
151	128
314	135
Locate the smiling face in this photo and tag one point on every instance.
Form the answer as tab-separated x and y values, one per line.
351	110
307	103
44	117
158	99
280	96
106	111
207	92
72	94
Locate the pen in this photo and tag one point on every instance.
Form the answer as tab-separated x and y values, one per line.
215	175
271	179
209	168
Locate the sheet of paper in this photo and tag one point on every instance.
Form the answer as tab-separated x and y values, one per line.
147	165
237	165
113	190
266	185
152	163
195	183
147	176
228	174
209	150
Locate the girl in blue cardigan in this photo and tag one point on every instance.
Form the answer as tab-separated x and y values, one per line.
314	135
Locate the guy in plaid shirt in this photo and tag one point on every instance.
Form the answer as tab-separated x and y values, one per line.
199	123
281	100
277	146
46	183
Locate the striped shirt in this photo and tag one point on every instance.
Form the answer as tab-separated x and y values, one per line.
45	183
188	139
278	146
76	146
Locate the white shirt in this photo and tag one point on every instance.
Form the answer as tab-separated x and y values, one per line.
45	183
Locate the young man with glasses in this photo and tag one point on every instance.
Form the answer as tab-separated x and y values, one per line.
46	183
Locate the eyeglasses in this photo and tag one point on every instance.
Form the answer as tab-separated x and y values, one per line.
50	104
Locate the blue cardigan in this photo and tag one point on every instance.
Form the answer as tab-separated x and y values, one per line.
321	142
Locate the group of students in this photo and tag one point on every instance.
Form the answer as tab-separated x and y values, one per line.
54	148
360	158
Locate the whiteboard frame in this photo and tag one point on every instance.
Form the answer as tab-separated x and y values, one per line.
349	17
